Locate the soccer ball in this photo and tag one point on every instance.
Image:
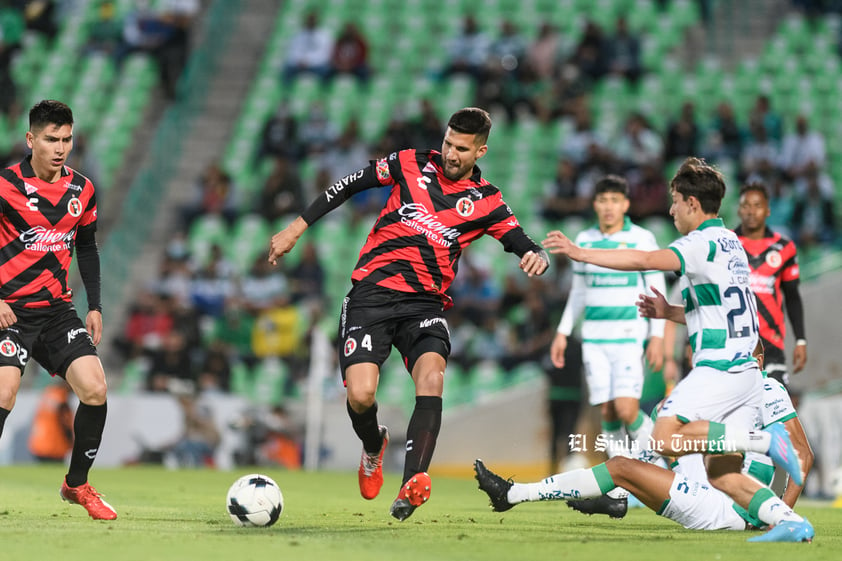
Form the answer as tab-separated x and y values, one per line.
255	500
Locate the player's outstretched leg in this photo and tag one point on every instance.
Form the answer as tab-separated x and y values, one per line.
783	452
788	531
90	500
494	486
370	474
413	494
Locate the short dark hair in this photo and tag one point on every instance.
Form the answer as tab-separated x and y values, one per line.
756	187
697	178
49	112
472	120
611	184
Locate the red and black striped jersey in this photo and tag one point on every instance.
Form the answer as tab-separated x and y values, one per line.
416	242
38	226
773	260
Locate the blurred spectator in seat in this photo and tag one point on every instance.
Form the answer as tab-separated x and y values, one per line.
40	16
813	213
174	278
279	136
803	151
282	192
683	137
343	156
213	193
307	277
316	132
150	321
760	156
566	96
566	195
623	52
509	81
51	437
264	288
12	27
309	50
591	53
214	373
648	192
476	292
170	364
467	52
350	53
105	31
577	145
426	129
725	138
543	54
762	114
164	33
213	285
532	335
200	436
639	144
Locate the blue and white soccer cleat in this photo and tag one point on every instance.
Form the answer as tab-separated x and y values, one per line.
783	453
788	531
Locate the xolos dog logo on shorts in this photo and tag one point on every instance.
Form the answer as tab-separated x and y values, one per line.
465	207
8	347
74	207
350	346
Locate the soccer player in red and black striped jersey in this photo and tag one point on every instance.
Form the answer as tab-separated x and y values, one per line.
774	279
439	204
48	210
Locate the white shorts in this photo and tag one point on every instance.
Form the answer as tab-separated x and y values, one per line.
698	506
707	394
613	370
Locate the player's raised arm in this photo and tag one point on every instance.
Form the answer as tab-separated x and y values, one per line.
621	259
376	174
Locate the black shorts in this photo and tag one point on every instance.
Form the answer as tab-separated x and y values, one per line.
375	318
53	336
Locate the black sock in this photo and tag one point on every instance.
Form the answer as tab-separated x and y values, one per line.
421	435
87	434
3	414
365	425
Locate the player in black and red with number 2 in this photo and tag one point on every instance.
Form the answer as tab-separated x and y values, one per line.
46	211
774	279
439	204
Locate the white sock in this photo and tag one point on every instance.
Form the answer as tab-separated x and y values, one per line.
741	440
639	431
772	510
576	484
613	439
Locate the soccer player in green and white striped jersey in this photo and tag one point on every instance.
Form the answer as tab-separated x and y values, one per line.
613	333
715	402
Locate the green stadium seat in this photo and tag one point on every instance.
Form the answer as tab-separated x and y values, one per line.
249	239
205	231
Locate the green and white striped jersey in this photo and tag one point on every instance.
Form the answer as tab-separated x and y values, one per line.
605	298
719	305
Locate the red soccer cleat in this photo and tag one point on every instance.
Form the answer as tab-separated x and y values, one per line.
89	498
370	474
413	494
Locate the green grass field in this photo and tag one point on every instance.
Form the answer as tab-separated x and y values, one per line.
180	515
